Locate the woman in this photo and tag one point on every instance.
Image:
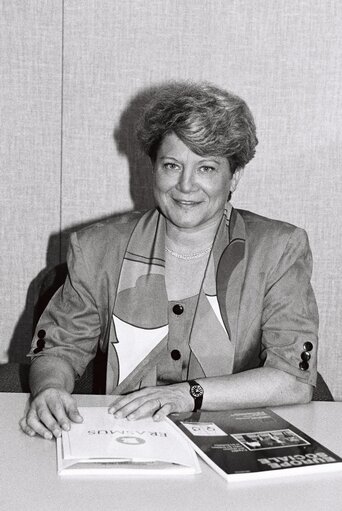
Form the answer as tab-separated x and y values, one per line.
197	304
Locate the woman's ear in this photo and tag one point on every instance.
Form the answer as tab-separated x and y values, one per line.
235	179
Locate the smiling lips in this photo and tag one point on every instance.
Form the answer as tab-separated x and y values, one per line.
187	203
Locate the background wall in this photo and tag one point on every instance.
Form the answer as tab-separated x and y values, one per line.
71	73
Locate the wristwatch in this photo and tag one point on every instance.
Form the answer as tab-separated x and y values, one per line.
196	391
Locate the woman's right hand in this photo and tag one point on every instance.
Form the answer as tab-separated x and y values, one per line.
50	411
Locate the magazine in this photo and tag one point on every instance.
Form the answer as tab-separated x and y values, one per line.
102	444
254	443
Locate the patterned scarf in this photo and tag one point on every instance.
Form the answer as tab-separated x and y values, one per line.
140	317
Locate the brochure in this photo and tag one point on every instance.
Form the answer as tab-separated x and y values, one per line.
254	443
102	444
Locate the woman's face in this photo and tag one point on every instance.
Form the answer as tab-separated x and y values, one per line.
190	190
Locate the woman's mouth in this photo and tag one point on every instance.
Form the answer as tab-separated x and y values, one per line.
186	203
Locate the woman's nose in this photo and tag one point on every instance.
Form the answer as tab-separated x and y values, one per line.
186	182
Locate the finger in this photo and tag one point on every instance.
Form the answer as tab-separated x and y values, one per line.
113	406
58	411
72	411
146	409
33	422
127	406
47	417
25	428
163	412
123	401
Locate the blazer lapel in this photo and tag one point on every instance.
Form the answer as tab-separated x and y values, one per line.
230	275
214	331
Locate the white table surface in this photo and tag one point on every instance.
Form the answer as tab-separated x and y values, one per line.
29	480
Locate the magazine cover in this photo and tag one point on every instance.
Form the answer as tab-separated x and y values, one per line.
240	444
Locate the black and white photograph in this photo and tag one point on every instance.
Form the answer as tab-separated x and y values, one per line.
171	242
270	439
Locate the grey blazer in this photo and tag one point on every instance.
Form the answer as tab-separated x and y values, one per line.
272	309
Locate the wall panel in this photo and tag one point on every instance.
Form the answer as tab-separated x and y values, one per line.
30	38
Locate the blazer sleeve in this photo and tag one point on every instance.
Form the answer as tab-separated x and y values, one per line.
290	316
70	325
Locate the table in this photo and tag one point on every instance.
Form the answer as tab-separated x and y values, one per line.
28	478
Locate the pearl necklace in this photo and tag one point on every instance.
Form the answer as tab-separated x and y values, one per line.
189	257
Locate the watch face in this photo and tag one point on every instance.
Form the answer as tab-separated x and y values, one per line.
196	391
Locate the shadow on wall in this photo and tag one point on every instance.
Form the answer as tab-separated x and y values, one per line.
52	276
127	144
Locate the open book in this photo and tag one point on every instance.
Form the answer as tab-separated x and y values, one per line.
254	443
105	445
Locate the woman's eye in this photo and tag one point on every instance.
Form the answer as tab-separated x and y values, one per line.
170	166
207	169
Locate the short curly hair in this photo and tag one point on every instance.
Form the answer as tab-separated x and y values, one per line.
209	120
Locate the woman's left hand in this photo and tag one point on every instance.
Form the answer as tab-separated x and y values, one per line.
156	402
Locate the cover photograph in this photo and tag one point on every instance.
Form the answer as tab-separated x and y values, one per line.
254	443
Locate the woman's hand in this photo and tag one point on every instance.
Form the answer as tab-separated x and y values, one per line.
153	401
50	412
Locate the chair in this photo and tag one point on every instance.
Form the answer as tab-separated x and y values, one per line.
321	391
14	377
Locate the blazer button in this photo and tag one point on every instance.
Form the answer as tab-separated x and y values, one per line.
307	346
178	309
41	334
40	343
305	356
304	366
175	354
